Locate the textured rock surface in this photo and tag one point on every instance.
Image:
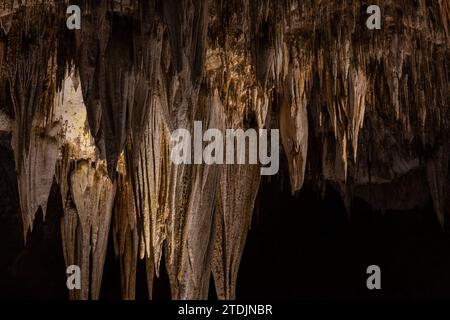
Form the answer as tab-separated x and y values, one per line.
366	110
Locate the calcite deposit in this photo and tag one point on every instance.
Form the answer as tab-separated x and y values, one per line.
93	109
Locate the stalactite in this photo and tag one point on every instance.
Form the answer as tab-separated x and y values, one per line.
187	31
92	195
125	231
88	196
30	70
197	237
233	218
35	176
437	174
150	176
294	119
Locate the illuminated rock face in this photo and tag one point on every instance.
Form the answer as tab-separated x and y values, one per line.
366	110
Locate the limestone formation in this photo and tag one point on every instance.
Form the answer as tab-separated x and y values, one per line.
93	109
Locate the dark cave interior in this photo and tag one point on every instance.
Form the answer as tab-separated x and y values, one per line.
305	246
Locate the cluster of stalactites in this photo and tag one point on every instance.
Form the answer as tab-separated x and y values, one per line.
354	107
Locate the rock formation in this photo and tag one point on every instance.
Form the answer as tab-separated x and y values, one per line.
365	110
